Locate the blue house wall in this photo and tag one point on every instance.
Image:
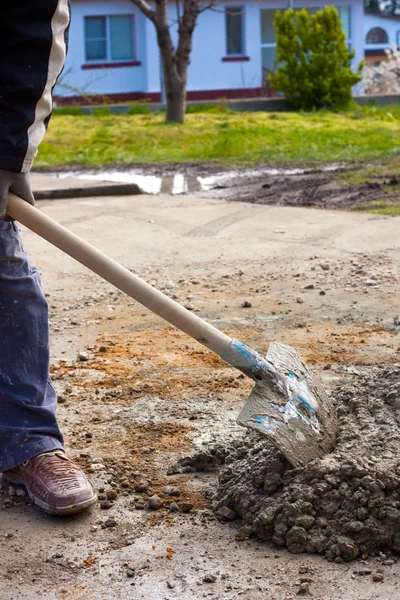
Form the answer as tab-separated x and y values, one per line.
212	74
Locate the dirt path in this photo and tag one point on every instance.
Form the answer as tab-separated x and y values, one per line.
136	395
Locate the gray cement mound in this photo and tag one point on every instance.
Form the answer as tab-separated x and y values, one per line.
342	506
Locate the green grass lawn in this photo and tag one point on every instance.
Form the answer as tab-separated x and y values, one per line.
382	207
224	138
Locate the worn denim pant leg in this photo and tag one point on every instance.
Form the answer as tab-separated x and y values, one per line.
28	424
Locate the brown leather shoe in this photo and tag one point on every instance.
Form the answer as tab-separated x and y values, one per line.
54	483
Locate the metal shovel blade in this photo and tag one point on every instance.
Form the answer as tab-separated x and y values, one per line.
300	420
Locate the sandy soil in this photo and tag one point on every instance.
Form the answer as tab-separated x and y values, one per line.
136	395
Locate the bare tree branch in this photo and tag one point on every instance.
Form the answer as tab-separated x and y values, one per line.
175	59
145	8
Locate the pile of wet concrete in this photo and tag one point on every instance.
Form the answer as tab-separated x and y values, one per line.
342	506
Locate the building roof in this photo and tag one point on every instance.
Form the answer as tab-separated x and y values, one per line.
382	15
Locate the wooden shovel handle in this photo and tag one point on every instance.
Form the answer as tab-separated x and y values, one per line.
117	275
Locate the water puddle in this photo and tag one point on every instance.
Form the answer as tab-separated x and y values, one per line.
183	184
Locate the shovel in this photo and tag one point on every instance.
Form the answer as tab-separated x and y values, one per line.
287	403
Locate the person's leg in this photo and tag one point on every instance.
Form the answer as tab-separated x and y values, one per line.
28	423
31	444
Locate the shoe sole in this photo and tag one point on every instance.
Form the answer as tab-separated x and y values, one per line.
72	509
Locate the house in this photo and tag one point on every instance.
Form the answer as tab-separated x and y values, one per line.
381	32
113	50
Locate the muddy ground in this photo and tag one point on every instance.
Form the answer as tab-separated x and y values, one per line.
136	395
322	187
319	189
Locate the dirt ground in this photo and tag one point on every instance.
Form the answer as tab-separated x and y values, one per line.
136	395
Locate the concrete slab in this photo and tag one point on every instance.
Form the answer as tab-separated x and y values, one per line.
47	186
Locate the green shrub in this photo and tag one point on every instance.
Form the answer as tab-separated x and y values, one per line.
138	109
217	108
101	111
314	62
69	110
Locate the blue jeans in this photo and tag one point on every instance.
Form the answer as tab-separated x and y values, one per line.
28	424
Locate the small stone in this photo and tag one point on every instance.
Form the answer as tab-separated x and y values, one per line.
185	507
388	562
173	507
309	286
299	300
325	266
93	528
83	357
322	293
209	579
246	304
362	572
111	494
189	306
20	492
125	483
141	485
378	577
170	285
61	399
130	573
170	490
154	503
303	570
111	522
226	513
103	349
396	320
97	467
105	504
304	590
170	585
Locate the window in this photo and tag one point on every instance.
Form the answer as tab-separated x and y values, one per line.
345	16
109	38
377	35
234	20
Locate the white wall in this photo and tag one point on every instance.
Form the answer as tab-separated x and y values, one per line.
207	70
357	21
102	81
390	25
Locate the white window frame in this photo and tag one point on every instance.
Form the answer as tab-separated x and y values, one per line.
243	15
108	58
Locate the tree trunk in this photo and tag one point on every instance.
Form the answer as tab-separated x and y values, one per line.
175	92
175	62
